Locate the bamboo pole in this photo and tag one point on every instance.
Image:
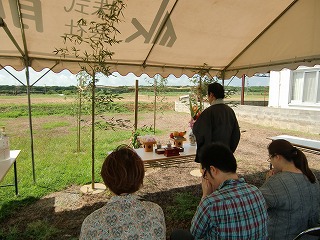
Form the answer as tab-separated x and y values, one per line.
79	119
155	106
92	127
136	106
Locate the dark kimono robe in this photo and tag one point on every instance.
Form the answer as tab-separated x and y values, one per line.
217	123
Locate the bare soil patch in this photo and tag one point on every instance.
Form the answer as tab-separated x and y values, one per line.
67	209
23	99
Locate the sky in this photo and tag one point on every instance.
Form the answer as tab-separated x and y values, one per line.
66	78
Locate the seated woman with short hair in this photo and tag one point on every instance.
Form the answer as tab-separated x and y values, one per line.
125	216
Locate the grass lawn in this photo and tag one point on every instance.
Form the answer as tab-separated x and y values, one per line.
57	162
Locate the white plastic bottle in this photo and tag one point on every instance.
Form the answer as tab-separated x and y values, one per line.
4	145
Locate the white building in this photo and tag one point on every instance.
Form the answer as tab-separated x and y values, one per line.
295	89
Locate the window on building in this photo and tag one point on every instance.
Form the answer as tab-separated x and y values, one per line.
297	85
305	87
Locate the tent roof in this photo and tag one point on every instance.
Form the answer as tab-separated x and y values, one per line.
229	36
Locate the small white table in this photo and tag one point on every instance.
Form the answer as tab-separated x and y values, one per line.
150	158
308	145
5	166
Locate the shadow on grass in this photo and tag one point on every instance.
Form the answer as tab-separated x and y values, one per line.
29	221
14	206
24	222
178	204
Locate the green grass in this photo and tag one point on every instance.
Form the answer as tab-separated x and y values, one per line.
46	109
40	230
184	206
52	125
62	109
57	163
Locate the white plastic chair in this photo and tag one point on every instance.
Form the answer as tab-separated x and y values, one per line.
311	232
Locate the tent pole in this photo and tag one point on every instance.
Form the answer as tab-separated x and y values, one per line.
30	123
30	116
222	77
242	88
27	64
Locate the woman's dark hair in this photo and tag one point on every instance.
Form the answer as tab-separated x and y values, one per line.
217	90
219	156
291	154
123	170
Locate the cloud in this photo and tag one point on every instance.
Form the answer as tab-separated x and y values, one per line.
66	78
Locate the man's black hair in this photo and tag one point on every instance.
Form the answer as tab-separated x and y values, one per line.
217	90
219	156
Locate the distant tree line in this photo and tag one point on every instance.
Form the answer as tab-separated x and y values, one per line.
69	90
21	90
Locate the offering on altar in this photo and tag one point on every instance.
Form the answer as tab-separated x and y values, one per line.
168	152
148	142
178	138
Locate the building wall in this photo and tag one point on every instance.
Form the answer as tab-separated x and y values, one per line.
292	119
279	91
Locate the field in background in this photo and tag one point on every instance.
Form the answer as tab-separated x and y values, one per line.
54	128
260	94
57	162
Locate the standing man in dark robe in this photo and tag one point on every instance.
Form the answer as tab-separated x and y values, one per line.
217	123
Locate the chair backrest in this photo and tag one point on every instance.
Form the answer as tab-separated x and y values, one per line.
311	232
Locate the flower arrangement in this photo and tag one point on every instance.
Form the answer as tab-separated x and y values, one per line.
176	134
195	112
178	138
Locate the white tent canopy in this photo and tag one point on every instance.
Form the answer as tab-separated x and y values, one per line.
232	37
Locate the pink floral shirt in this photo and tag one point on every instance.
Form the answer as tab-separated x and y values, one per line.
125	217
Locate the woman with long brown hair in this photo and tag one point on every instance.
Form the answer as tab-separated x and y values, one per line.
291	191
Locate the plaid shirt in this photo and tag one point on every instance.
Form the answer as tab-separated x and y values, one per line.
236	210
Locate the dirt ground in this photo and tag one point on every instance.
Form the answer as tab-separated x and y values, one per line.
67	99
67	209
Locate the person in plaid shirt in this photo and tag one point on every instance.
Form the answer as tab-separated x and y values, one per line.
230	208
